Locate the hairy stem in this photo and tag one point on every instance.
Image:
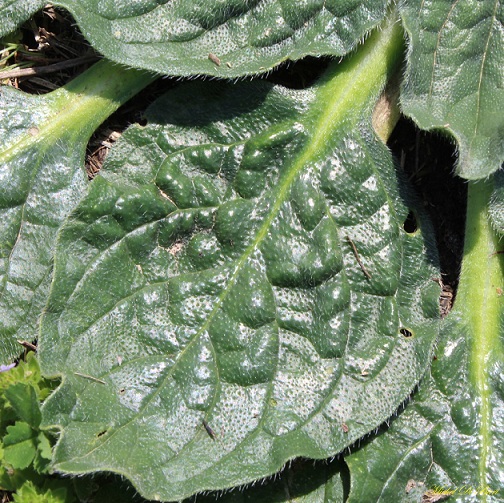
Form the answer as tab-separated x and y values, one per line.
480	299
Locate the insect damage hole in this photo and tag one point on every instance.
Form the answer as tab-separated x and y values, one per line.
410	225
405	332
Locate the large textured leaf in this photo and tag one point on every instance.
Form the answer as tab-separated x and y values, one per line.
42	146
208	314
450	438
455	77
176	37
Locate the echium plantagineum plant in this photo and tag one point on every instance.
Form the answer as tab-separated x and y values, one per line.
236	288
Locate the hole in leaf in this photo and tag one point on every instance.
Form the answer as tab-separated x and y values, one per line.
410	224
299	74
405	332
101	433
427	160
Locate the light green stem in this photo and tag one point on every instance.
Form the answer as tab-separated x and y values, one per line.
101	90
79	107
482	306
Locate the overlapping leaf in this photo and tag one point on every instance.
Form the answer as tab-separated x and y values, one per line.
455	77
434	446
41	181
13	13
176	37
237	289
43	140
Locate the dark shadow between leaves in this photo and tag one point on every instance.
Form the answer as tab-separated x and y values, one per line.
226	103
300	477
426	160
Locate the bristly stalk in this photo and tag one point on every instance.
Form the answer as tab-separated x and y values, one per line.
480	294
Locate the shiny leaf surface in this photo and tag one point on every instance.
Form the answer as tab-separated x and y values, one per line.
219	37
237	288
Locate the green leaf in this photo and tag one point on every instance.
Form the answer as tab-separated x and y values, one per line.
44	446
176	37
450	438
19	445
42	146
43	456
14	13
27	371
455	77
23	399
209	314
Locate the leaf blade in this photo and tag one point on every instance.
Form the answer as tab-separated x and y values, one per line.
178	37
451	429
41	167
223	293
229	289
23	399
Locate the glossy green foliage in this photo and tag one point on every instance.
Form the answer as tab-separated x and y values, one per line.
237	288
176	37
435	444
43	141
26	451
450	437
38	190
209	314
13	13
455	77
455	68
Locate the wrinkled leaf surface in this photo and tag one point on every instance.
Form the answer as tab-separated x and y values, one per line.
42	145
209	314
41	181
176	37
